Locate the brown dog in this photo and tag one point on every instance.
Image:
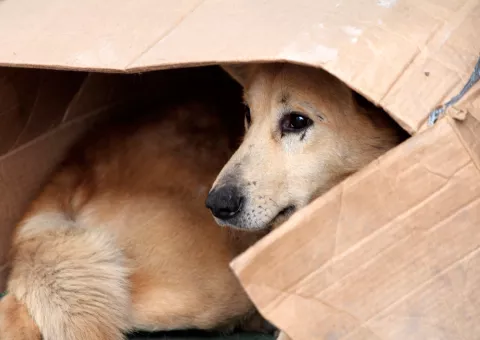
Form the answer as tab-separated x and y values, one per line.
119	239
306	131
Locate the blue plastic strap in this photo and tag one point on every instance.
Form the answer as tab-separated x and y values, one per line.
474	78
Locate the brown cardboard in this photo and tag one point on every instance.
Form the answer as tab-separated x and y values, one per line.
388	254
379	47
391	253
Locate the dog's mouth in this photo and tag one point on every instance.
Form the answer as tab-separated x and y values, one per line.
282	216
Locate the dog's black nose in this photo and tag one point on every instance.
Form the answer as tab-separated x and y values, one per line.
224	202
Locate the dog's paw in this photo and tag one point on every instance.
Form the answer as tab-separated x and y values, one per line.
15	322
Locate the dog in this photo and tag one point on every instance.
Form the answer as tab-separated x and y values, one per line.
119	238
305	132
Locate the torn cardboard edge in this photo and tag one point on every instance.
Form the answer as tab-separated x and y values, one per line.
435	114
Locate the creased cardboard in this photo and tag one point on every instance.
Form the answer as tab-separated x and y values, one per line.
391	253
378	47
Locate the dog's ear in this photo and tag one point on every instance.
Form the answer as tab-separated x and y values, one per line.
239	72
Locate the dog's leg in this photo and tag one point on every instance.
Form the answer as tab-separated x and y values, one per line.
15	322
72	281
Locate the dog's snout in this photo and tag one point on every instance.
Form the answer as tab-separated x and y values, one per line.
225	202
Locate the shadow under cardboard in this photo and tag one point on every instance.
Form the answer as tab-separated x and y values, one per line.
197	335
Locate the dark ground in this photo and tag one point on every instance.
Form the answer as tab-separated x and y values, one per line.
198	336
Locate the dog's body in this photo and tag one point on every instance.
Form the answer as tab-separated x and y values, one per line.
120	238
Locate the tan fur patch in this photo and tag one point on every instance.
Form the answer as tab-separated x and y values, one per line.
15	322
74	282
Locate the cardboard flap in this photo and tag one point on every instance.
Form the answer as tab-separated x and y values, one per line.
406	55
392	253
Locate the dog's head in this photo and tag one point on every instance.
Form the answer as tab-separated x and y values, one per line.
305	132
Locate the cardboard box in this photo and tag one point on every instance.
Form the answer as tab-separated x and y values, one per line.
392	252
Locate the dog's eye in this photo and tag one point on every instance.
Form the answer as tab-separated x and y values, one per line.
294	122
248	117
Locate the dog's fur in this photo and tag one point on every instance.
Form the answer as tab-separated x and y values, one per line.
278	172
120	239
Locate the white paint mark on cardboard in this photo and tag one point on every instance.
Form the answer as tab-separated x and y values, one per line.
386	3
104	54
353	31
309	50
316	55
446	36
